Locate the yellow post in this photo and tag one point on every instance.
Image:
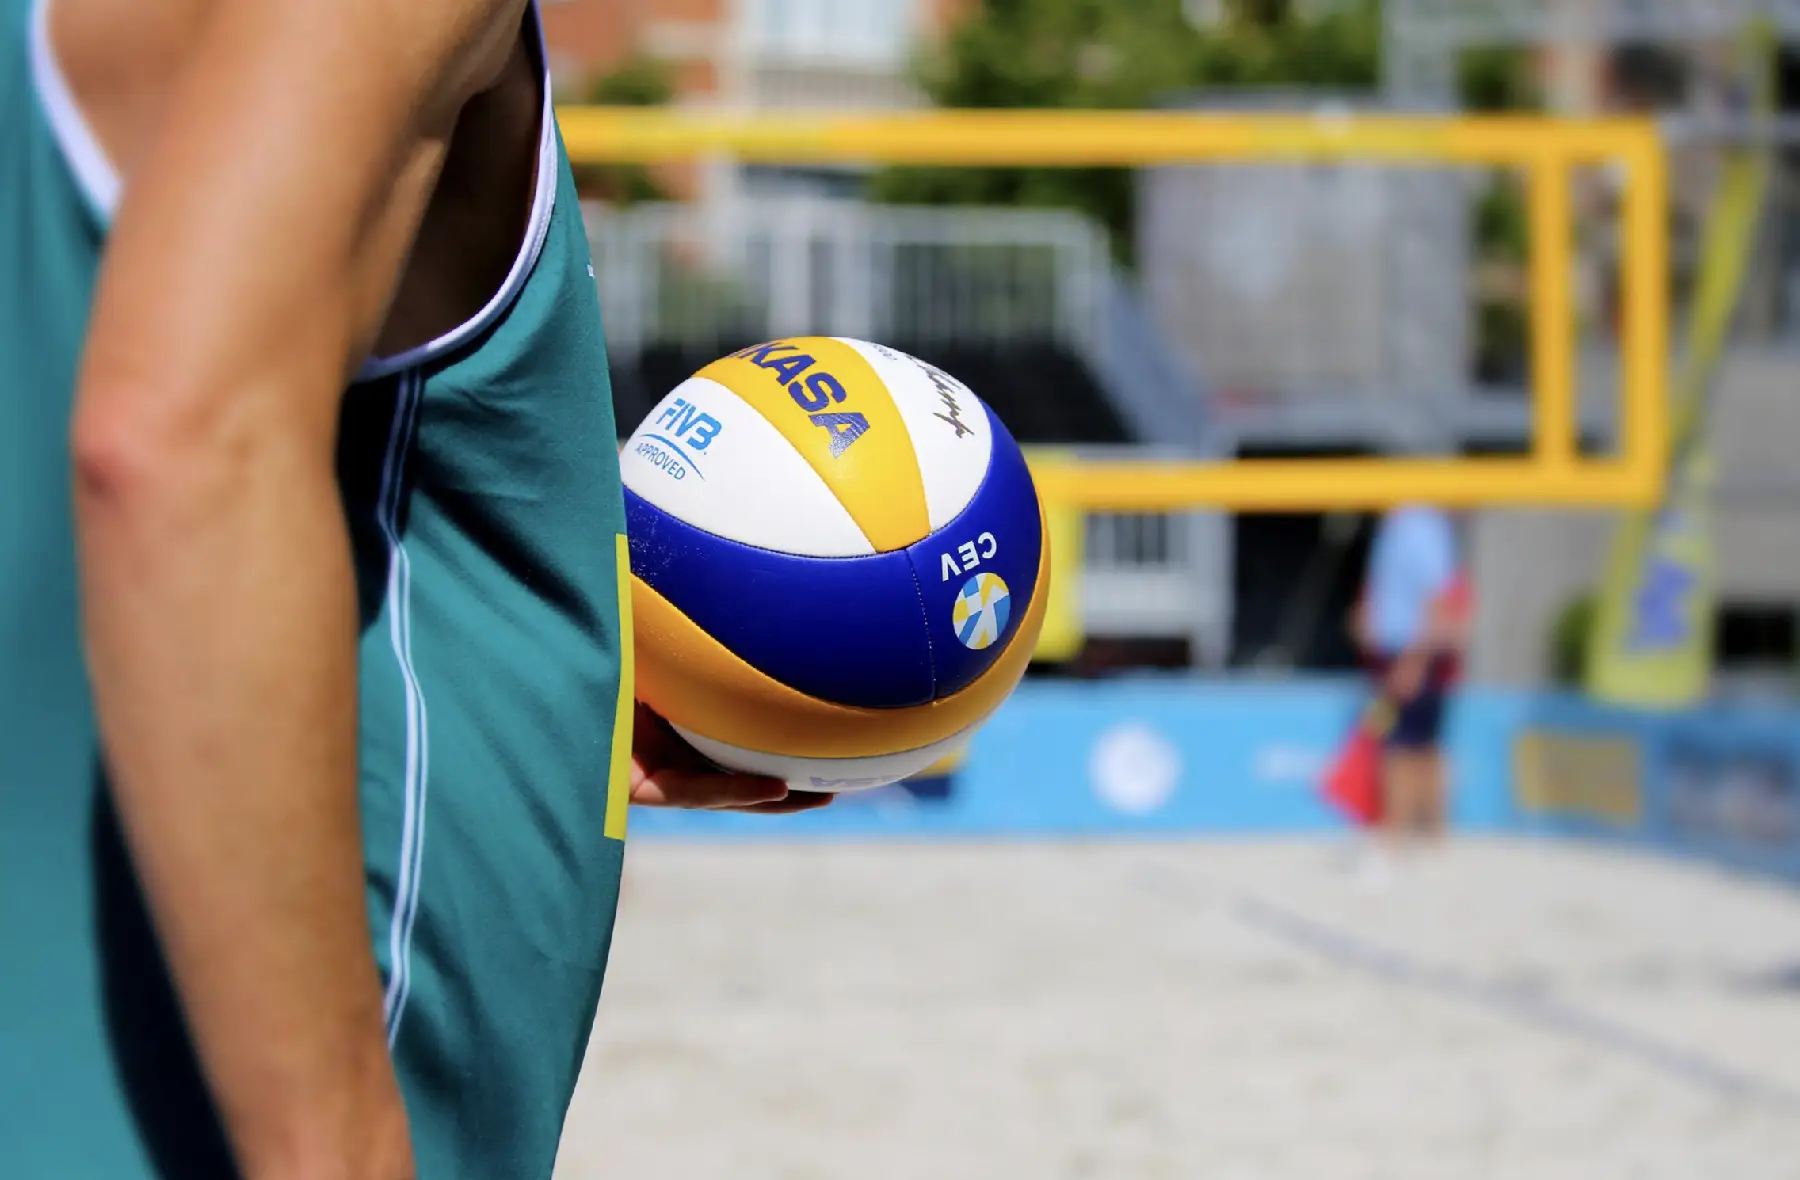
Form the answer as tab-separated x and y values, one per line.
1064	633
1644	431
1553	314
1305	485
1555	474
1077	138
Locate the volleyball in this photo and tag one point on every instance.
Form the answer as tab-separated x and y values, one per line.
838	562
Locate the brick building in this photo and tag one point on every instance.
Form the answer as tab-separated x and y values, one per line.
752	53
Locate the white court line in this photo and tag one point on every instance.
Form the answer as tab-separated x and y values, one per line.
1525	1006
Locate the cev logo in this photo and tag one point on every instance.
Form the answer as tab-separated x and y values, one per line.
971	555
981	611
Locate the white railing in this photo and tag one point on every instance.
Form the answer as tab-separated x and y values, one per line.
1160	577
699	274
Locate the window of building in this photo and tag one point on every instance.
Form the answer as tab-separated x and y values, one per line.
864	32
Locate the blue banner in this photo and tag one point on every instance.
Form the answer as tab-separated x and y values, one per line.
1178	758
1131	757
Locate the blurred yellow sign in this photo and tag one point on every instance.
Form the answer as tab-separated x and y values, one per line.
1652	644
1579	777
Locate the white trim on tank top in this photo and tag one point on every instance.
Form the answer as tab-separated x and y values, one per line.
100	183
94	173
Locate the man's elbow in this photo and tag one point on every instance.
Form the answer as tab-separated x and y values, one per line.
143	453
128	448
111	454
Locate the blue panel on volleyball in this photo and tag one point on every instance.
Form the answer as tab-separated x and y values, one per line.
844	629
978	573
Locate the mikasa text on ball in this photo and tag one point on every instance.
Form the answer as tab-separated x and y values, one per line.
838	562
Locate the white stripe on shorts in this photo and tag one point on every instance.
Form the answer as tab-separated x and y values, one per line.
399	603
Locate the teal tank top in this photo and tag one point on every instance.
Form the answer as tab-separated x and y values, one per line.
481	488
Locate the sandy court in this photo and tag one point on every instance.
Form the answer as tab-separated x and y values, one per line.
1248	1011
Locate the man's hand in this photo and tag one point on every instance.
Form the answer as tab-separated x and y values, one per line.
1406	676
667	772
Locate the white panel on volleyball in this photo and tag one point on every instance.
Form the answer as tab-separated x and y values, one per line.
833	775
949	429
705	456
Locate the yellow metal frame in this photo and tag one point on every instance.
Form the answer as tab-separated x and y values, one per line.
1547	150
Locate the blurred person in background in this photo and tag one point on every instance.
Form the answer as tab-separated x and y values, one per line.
1411	624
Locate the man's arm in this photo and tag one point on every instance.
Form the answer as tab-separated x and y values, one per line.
248	271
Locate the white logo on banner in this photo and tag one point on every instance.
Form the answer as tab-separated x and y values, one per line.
1284	765
1134	769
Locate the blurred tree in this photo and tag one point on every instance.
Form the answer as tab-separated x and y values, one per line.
1101	54
1498	80
1569	641
637	82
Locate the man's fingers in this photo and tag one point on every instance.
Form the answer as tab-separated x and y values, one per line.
667	772
796	802
656	744
726	792
707	791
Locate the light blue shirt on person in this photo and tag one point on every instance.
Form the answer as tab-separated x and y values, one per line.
1411	563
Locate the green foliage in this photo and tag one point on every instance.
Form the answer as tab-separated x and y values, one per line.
1569	641
638	82
1502	320
1267	45
1502	225
1498	80
1107	55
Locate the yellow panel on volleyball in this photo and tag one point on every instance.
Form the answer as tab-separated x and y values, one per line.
828	402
